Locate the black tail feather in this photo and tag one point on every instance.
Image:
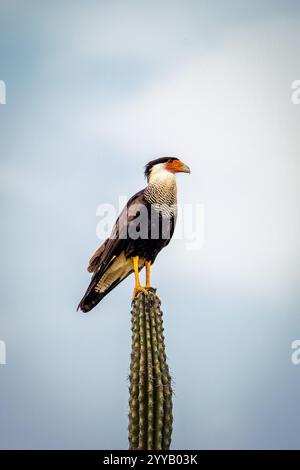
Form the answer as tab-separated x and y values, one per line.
91	298
89	301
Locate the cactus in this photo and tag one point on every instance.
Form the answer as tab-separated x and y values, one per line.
150	402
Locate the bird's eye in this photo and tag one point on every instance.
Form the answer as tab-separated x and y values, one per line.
170	160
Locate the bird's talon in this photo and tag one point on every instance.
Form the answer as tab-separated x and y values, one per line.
139	289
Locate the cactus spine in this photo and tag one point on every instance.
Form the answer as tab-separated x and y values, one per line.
150	402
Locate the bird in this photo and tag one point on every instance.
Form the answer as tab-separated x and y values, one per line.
144	227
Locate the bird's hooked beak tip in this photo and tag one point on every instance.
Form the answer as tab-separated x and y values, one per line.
185	169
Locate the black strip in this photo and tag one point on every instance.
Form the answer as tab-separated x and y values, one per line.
96	458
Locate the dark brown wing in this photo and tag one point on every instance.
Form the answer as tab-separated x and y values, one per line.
95	260
108	251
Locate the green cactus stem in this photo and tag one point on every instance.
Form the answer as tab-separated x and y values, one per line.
150	401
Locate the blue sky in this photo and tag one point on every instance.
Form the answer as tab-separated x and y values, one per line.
94	91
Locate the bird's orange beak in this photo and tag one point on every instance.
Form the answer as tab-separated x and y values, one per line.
177	166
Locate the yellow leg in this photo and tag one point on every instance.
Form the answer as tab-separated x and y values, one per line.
148	267
138	286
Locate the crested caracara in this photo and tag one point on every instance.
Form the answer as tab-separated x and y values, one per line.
144	227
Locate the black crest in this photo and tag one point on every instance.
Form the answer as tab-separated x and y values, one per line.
149	165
